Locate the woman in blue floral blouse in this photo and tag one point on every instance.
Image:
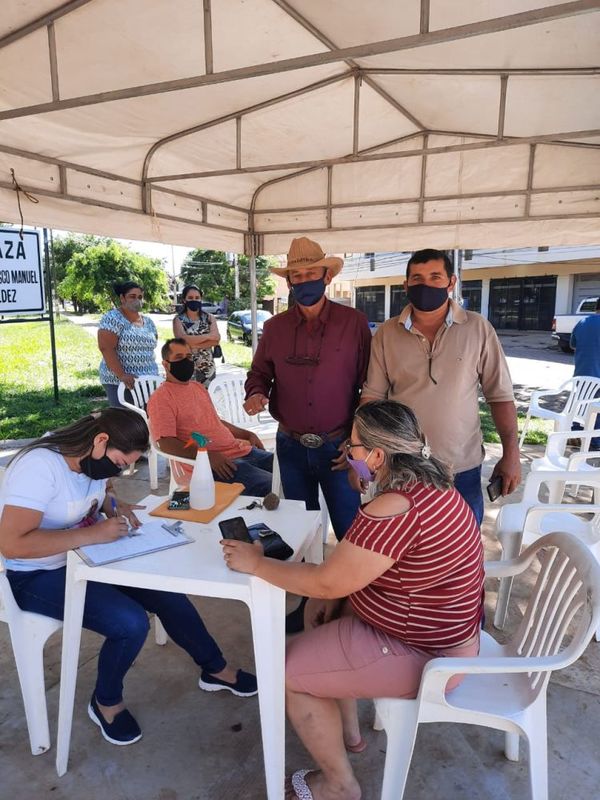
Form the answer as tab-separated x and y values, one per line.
127	340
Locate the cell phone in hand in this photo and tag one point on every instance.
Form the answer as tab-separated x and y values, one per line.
235	528
494	488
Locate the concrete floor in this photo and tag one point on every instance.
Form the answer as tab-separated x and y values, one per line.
200	746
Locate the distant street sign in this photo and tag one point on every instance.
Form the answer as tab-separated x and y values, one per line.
21	273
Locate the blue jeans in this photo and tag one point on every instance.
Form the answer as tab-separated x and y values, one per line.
119	614
304	469
468	483
255	471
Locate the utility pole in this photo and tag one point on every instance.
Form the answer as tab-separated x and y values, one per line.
236	277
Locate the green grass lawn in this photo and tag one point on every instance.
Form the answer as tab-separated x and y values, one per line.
27	406
537	433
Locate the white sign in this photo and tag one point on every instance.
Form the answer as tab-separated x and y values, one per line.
21	273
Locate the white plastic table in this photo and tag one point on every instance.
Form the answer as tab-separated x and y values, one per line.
199	569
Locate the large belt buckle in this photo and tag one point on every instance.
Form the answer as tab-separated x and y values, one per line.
311	440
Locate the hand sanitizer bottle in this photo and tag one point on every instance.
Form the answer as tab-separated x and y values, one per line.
202	484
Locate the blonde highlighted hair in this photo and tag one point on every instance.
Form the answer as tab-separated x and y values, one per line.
393	428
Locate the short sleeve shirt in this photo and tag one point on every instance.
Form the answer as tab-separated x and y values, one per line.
178	410
432	595
42	480
442	383
135	347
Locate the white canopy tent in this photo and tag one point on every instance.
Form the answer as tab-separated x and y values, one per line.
237	124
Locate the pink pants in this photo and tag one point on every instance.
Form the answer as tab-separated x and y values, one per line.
348	658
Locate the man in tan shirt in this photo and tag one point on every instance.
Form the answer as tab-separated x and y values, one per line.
435	357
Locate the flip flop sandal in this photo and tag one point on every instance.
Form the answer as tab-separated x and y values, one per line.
360	747
300	786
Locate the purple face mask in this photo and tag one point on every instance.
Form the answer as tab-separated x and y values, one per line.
362	469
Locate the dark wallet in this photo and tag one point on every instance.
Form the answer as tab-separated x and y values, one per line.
272	543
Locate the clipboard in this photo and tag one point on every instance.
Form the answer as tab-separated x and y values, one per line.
151	539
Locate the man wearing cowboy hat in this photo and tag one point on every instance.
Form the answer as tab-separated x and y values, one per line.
309	366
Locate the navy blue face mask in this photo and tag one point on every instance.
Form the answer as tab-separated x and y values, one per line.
427	298
193	305
309	292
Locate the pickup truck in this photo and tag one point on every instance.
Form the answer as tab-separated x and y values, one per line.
563	324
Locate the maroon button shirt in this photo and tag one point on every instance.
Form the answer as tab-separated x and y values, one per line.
319	397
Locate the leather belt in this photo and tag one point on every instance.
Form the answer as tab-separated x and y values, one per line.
313	440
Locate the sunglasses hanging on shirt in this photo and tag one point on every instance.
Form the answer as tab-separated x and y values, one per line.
305	361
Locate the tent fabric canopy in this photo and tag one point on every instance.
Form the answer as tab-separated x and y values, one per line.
238	124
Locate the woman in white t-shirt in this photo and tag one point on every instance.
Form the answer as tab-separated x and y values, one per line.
53	499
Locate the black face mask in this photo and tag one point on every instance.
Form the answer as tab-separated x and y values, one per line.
99	469
182	370
193	305
427	298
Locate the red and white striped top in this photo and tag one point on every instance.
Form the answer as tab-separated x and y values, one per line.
432	596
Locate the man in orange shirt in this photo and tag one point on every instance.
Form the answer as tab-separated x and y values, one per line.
181	406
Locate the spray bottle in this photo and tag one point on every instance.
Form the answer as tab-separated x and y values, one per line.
202	484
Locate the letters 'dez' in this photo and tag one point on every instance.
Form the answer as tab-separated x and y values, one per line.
21	276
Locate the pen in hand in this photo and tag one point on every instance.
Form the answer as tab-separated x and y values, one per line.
131	531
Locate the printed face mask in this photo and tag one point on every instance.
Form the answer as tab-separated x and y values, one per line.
362	469
99	469
182	370
134	305
309	292
193	305
427	298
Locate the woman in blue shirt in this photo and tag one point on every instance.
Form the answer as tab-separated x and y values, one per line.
127	340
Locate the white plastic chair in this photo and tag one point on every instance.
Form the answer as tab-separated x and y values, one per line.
140	394
556	459
581	390
505	686
522	523
28	635
227	393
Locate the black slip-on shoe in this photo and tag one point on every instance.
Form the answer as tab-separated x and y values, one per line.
244	686
122	730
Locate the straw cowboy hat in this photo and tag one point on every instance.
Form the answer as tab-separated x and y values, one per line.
304	254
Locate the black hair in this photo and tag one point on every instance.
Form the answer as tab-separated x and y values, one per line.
122	287
429	254
127	431
165	350
188	288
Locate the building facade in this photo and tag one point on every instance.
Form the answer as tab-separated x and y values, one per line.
515	289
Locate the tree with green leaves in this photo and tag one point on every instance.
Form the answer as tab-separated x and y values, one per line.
214	273
91	273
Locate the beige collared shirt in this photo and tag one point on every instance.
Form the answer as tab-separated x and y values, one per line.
442	382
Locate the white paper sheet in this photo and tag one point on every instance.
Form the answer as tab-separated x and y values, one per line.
152	537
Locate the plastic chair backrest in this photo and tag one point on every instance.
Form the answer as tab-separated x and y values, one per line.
227	393
585	387
137	398
535	480
566	592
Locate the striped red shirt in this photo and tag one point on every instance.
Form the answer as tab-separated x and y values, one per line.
432	596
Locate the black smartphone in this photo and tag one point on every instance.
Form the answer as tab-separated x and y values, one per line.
179	502
235	528
494	488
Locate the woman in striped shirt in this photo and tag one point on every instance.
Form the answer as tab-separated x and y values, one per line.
404	586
